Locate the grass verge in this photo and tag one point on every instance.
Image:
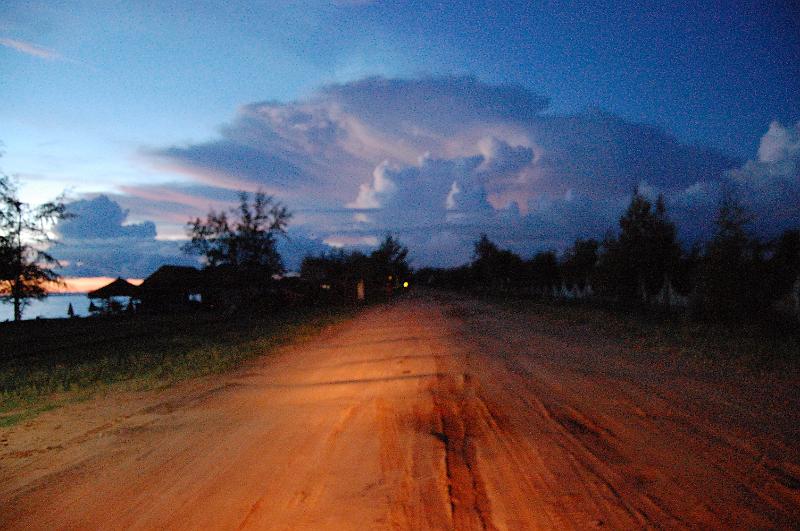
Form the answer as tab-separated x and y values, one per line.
46	364
751	345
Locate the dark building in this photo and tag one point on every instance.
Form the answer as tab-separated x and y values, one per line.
172	288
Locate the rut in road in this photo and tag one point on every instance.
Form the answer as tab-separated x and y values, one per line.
457	407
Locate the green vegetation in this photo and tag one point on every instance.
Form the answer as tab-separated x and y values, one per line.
44	364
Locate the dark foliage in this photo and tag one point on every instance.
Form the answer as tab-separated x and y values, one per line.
785	264
333	277
544	272
734	277
25	264
495	269
242	239
636	264
389	261
456	278
734	273
579	262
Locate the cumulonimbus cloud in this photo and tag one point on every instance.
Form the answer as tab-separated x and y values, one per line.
440	160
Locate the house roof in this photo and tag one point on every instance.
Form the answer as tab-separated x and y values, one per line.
173	278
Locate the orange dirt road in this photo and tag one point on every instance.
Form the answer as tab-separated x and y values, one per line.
428	413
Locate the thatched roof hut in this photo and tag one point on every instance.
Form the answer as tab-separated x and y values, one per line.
118	288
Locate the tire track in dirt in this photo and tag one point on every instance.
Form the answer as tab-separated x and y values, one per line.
664	462
458	409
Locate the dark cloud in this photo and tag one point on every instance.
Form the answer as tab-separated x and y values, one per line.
96	242
101	218
110	258
603	155
227	162
501	158
434	102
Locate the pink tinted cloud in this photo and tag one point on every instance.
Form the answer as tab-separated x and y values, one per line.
164	194
212	176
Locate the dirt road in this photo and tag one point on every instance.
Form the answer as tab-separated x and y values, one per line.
425	414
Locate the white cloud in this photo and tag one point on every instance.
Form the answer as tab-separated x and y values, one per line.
30	49
374	195
770	185
780	143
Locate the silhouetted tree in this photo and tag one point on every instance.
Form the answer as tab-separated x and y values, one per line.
666	247
785	263
456	278
389	261
484	261
784	273
495	269
244	238
338	272
544	274
25	265
324	267
335	266
646	252
732	276
685	277
579	262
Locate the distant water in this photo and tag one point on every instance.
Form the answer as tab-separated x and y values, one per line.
53	306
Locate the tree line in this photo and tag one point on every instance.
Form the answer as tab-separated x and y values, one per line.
237	250
644	263
339	272
240	248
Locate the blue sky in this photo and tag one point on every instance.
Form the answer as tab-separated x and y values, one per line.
189	100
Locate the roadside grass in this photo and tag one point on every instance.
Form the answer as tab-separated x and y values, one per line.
755	345
46	364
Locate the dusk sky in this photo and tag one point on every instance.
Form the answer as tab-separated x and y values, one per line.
437	121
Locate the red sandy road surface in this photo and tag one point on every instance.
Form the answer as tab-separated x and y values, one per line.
435	413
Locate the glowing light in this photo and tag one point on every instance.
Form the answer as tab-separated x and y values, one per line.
405	284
